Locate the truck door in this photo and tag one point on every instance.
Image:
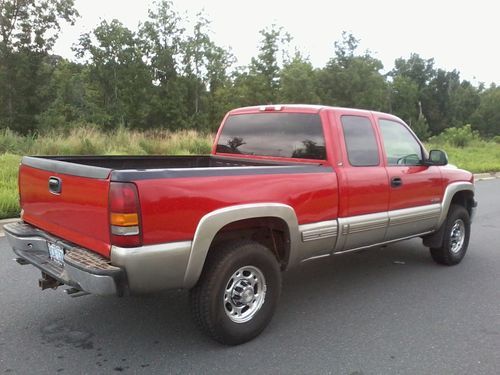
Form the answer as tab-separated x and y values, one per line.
415	189
363	183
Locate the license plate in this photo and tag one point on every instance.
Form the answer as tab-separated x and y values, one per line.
56	253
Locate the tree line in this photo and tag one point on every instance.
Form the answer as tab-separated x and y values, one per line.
165	75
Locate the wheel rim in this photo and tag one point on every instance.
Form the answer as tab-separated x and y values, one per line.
244	294
457	236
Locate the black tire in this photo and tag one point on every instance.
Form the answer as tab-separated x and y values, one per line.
453	249
214	298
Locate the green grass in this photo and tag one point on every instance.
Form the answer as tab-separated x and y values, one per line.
9	203
478	156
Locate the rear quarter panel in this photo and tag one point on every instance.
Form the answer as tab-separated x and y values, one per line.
172	207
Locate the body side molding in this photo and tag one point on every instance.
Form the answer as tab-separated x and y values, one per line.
317	239
212	222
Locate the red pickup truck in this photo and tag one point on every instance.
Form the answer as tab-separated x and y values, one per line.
283	184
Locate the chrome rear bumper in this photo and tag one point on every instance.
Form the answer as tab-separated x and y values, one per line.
81	269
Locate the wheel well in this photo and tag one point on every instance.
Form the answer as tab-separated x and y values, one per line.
464	198
272	232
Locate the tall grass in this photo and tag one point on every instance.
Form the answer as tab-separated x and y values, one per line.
9	198
89	140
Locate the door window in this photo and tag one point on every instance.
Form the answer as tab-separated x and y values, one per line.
401	147
360	141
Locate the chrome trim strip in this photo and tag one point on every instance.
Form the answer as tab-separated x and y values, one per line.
317	231
414	214
214	221
358	227
154	267
360	230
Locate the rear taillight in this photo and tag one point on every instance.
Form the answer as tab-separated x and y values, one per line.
124	215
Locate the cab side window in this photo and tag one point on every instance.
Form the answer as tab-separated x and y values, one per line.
401	147
360	141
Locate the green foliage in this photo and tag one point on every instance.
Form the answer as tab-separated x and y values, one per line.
9	197
88	139
298	82
169	76
457	137
29	30
352	80
478	157
487	116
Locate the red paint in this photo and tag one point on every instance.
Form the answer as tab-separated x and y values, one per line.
79	214
170	209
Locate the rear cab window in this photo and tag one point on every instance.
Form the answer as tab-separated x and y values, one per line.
286	135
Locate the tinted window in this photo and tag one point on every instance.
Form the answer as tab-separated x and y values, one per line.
362	149
289	135
400	145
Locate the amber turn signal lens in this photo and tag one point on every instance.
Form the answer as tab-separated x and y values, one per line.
124	220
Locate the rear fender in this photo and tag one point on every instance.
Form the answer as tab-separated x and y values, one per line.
213	222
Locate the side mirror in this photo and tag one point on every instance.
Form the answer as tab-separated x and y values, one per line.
437	157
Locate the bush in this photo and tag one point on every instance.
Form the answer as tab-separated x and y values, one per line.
457	137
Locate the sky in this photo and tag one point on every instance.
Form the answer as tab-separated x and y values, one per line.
460	35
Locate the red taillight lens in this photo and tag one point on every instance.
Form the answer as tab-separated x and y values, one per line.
124	215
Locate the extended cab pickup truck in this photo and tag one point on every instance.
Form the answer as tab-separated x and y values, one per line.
283	184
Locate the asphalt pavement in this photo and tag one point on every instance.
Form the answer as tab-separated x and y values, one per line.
388	310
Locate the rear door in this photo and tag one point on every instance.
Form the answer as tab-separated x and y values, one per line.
415	189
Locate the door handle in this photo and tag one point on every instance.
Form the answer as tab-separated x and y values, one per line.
55	185
396	182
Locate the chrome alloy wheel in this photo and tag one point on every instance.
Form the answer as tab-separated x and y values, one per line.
457	236
244	294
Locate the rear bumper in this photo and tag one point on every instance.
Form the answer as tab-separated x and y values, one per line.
82	269
137	270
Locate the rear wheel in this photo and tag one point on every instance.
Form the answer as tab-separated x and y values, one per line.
455	239
237	293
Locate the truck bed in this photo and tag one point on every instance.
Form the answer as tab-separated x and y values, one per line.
79	211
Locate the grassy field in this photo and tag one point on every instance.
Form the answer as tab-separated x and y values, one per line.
479	156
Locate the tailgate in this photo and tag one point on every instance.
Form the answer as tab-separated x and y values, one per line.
67	200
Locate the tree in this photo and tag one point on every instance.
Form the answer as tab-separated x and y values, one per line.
298	82
118	73
487	116
353	80
28	31
161	39
264	72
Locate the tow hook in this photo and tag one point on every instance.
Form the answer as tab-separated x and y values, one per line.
48	282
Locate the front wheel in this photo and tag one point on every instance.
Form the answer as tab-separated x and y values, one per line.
237	293
455	239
